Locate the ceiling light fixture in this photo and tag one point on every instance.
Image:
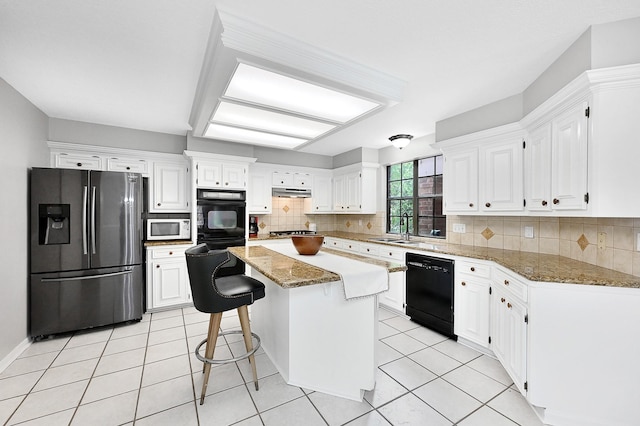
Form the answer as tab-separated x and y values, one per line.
400	141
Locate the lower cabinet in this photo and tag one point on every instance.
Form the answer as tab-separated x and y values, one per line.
509	327
167	277
471	302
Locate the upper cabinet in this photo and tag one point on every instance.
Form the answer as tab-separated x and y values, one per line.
556	162
259	192
213	174
170	188
320	200
484	174
579	158
353	189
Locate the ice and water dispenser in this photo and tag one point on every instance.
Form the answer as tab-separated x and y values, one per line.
53	224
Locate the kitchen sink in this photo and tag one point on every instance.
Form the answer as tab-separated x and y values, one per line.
385	240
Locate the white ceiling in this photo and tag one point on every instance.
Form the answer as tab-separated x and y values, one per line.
135	63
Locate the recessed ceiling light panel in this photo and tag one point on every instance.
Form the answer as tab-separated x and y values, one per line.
259	86
235	134
269	121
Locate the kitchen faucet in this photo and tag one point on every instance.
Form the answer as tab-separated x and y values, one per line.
406	235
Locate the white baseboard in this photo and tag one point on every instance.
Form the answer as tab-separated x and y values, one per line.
15	353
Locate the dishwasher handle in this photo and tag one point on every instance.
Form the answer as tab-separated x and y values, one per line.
429	267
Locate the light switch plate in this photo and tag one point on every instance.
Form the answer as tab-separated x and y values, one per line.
528	231
602	240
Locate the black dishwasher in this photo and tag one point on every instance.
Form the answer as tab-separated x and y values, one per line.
430	292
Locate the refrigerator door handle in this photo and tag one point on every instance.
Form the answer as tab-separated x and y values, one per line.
93	220
86	277
85	228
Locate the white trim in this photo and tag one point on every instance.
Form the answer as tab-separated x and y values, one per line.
196	155
486	136
14	354
106	150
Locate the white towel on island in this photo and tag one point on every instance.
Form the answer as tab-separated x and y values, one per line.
359	279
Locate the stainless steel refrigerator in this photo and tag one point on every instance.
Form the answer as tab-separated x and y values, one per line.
86	249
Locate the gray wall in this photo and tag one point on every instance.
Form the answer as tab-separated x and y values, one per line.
23	132
615	43
573	62
501	112
116	137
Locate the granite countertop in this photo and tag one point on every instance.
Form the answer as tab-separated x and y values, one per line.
167	243
288	272
535	267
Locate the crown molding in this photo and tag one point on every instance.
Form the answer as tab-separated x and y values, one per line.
484	137
110	151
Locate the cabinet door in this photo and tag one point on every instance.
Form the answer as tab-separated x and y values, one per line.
471	309
339	193
283	179
209	175
321	195
537	167
509	335
169	188
461	181
569	159
394	298
259	194
302	180
127	165
501	177
234	176
353	184
170	283
78	161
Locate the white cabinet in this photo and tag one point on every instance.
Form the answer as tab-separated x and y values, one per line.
259	193
65	160
471	301
569	159
221	175
485	173
394	298
320	200
461	181
170	188
291	179
354	190
501	176
167	277
537	166
509	326
302	180
132	165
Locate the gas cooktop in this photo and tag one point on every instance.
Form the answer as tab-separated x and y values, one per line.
293	232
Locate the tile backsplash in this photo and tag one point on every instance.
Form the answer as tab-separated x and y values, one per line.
575	238
572	237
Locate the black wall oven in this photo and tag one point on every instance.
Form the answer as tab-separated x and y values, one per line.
221	221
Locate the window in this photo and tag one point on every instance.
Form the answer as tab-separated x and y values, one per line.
414	188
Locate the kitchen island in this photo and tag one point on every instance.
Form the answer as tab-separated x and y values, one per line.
316	338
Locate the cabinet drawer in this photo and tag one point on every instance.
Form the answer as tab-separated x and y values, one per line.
282	179
166	253
351	246
124	165
392	253
302	180
510	284
331	243
475	269
83	162
370	250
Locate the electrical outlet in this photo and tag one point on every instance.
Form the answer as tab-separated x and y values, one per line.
359	222
459	228
602	240
528	231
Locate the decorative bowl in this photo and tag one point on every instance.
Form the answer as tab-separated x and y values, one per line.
307	244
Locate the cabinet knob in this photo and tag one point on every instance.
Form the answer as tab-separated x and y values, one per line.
470	204
79	164
159	204
556	201
349	245
509	305
463	283
472	269
157	266
502	299
506	282
128	168
390	254
170	253
265	207
217	183
317	207
226	183
487	204
282	182
544	202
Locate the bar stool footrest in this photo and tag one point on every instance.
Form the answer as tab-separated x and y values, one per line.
227	360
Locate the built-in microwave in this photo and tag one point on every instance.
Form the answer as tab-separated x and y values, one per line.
168	229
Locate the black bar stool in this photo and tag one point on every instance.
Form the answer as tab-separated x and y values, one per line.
217	295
